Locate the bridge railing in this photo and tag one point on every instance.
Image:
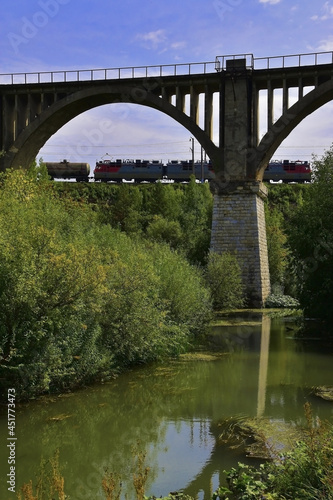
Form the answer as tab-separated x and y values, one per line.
159	71
296	60
156	71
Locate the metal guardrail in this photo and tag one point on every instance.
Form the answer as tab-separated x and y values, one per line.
159	71
296	60
156	71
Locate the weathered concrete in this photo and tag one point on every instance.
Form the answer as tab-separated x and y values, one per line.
239	228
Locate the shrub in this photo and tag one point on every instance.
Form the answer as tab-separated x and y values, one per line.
281	301
80	300
163	230
305	473
223	275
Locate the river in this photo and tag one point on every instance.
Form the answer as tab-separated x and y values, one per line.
171	411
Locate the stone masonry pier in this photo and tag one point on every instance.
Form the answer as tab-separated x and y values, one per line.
239	228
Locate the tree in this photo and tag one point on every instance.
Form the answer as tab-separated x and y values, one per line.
196	221
311	239
50	288
276	247
223	275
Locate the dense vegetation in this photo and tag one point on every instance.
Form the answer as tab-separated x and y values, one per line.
179	215
81	300
300	240
304	473
311	241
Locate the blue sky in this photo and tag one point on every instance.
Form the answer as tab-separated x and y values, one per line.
42	35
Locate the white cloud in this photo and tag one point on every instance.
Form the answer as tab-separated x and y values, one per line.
271	2
327	13
153	39
178	45
326	45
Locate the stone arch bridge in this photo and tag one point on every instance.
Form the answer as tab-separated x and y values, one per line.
33	106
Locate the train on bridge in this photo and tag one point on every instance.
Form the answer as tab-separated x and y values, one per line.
288	171
177	171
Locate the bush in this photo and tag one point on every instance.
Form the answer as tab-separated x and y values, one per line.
223	276
311	240
163	230
281	301
305	473
80	300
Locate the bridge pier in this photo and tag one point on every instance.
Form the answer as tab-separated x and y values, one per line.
239	227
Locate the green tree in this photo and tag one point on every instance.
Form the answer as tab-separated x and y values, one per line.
161	229
47	285
276	247
164	200
196	221
126	209
311	240
223	275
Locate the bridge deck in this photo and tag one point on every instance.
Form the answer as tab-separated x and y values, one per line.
164	70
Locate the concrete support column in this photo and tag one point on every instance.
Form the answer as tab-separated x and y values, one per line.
239	227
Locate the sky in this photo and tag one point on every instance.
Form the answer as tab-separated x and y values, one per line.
51	35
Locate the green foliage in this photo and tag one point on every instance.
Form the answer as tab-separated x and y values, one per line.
304	473
276	246
178	214
48	285
282	204
223	275
126	209
163	230
281	301
158	302
285	198
79	299
311	240
196	220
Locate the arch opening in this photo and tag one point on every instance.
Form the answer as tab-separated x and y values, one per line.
312	102
120	130
34	137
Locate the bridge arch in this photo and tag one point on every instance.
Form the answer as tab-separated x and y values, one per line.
288	121
26	147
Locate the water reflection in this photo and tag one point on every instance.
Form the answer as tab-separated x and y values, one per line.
263	364
173	411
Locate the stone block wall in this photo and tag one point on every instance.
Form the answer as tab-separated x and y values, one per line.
239	227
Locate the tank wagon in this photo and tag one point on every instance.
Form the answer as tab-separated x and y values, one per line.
67	170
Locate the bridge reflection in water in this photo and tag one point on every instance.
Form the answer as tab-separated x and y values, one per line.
255	368
254	333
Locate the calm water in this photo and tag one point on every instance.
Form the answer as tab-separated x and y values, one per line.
171	411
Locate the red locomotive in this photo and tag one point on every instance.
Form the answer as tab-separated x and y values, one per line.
288	171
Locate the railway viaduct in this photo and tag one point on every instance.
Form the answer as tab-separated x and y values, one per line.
33	106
